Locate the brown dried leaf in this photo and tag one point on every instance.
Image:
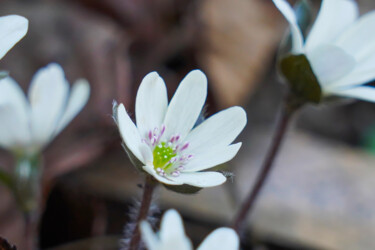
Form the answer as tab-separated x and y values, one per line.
239	41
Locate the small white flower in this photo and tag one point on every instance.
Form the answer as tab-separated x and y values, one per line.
27	125
340	47
12	29
164	139
172	236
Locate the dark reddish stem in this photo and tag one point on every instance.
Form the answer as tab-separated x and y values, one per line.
247	206
148	190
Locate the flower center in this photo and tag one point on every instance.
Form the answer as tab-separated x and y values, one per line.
163	154
170	156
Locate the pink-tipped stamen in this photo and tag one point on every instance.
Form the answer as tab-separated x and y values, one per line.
172	139
185	146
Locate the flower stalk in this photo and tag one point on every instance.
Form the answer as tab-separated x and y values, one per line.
290	106
148	190
27	191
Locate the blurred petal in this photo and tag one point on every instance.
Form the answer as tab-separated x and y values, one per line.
362	93
149	237
357	40
172	233
288	12
212	158
129	132
221	239
364	72
12	29
334	17
78	98
15	111
151	103
201	179
186	105
48	94
330	63
217	131
8	126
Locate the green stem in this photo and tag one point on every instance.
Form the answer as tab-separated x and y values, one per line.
26	185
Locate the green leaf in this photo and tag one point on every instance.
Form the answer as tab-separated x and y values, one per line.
6	179
3	74
302	81
183	189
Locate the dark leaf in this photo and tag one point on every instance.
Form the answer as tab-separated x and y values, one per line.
183	189
302	80
6	179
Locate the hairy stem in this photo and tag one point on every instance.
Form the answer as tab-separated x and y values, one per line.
289	108
148	189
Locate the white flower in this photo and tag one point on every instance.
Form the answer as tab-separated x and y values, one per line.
172	236
12	29
27	125
340	47
164	139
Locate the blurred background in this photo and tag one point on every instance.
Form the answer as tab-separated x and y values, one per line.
321	194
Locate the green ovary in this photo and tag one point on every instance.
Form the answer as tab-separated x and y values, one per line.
162	155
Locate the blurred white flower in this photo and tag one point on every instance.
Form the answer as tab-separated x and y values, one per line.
340	47
166	143
172	236
12	29
27	125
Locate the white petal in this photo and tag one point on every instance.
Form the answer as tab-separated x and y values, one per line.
221	239
8	127
201	179
12	96
151	103
146	152
186	104
172	233
364	72
48	96
330	63
357	40
362	93
288	12
334	17
12	29
129	132
217	131
149	237
212	158
78	98
166	180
